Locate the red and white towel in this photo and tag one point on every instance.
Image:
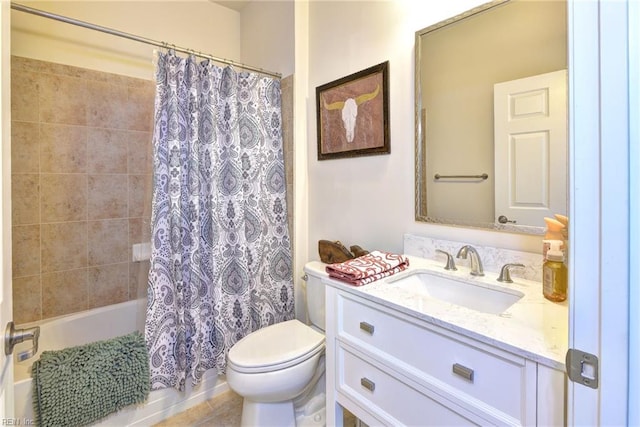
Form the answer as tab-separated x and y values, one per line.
368	268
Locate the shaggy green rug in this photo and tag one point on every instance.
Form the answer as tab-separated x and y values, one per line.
80	385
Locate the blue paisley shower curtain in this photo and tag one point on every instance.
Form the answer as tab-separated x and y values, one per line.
221	254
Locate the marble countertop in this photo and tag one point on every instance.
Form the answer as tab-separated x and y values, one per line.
533	327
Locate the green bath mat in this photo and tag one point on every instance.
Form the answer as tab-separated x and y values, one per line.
81	385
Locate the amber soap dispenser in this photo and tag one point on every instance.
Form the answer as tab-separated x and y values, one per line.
554	273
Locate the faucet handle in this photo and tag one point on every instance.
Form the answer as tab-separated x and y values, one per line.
15	336
505	275
451	265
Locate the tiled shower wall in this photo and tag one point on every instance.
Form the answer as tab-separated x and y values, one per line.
286	86
81	185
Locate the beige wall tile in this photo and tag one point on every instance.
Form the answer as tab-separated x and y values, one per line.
21	64
25	199
107	197
27	299
139	230
64	292
108	151
139	195
25	154
64	246
108	241
140	159
106	105
138	279
139	107
82	174
24	96
148	196
135	231
65	70
62	100
287	142
108	284
63	197
63	148
25	250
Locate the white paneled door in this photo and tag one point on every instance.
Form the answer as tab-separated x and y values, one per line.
530	145
600	224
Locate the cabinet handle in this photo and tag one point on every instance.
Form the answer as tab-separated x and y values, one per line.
367	327
463	371
368	384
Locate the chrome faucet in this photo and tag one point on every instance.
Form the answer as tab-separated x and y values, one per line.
476	263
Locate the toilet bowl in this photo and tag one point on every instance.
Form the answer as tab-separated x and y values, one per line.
277	367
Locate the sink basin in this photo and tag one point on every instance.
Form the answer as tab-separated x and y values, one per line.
478	296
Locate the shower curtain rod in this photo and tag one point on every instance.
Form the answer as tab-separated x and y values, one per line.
129	36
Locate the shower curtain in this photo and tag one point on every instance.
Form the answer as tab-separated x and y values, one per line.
221	254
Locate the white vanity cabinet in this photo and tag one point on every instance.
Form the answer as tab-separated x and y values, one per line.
391	368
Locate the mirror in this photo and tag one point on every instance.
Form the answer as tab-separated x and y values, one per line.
486	83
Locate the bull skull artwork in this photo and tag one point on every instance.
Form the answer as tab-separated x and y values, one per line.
349	109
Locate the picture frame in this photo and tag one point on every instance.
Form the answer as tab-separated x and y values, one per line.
353	114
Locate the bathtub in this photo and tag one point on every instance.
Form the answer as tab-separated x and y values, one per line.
100	324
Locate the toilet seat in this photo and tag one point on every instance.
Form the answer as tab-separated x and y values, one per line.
275	347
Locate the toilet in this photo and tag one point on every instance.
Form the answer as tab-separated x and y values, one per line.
279	369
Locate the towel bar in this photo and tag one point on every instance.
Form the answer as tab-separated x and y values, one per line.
483	176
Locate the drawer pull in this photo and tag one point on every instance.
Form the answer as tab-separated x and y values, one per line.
367	327
368	384
463	371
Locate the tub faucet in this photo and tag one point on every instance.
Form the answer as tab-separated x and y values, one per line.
476	263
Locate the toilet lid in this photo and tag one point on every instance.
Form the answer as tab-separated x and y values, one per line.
275	347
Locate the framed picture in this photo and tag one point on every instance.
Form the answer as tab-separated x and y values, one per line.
353	114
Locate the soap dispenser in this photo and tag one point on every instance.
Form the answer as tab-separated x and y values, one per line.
554	231
554	273
565	235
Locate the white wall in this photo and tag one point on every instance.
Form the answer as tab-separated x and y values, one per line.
195	24
300	171
268	35
369	201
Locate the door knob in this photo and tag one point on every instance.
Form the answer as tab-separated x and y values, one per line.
13	336
503	220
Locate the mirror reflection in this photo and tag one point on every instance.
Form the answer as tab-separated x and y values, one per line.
491	117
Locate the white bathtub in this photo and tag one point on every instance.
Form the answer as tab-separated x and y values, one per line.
100	324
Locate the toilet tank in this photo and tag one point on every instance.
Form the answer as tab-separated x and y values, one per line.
315	272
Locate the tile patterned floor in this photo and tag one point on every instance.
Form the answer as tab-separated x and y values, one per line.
223	410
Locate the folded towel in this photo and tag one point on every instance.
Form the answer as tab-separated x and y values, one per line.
80	385
368	268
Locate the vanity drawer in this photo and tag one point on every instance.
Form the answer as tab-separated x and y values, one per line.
434	355
383	394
